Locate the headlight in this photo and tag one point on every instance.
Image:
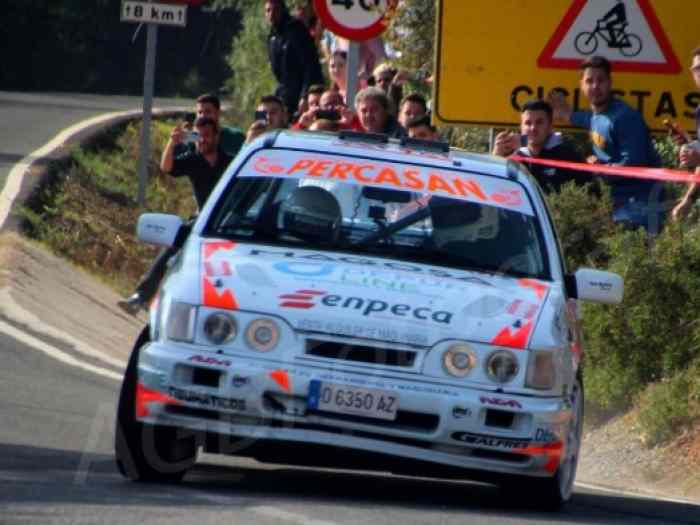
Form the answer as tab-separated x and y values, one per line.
541	372
502	367
180	323
459	360
262	335
220	328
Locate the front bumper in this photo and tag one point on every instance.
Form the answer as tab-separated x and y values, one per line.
260	401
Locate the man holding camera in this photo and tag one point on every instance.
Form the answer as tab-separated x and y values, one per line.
203	165
230	139
331	107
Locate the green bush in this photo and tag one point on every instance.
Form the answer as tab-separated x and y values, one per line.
664	410
582	215
654	334
252	75
88	210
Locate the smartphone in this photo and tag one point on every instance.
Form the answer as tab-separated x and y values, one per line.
328	114
261	115
191	137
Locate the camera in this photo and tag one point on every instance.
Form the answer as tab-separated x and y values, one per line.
328	114
191	137
261	115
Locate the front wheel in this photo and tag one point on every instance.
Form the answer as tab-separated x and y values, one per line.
552	493
586	43
148	453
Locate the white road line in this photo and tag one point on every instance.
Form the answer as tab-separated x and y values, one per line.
291	517
10	308
642	495
59	355
14	179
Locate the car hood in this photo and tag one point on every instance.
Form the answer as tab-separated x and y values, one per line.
364	297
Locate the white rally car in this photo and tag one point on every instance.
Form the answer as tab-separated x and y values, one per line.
352	302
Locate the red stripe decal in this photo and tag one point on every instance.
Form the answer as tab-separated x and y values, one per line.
281	377
539	288
146	395
212	298
292	304
211	248
517	340
553	450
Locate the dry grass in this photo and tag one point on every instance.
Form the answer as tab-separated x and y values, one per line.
87	213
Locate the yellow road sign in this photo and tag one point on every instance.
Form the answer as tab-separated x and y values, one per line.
492	56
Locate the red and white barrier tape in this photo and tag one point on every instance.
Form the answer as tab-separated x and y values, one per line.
660	174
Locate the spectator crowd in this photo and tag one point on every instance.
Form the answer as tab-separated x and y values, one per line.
298	47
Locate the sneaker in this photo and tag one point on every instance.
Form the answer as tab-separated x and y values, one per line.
133	304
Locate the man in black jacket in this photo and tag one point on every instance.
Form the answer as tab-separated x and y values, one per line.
203	165
293	54
538	140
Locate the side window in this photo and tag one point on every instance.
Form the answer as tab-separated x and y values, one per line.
560	252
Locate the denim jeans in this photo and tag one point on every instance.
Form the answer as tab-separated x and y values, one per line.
641	205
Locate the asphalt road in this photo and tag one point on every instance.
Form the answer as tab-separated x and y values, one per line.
30	120
57	466
57	426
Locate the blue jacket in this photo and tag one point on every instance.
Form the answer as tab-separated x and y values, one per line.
619	135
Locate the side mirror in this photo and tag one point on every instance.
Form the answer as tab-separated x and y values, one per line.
159	228
596	286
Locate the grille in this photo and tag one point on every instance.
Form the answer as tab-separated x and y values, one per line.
361	354
405	420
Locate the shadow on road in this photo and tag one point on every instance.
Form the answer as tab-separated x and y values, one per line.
33	475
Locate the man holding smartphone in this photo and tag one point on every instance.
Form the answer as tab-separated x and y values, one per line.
230	139
272	110
203	166
537	139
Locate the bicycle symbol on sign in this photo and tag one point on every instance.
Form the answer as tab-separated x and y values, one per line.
612	29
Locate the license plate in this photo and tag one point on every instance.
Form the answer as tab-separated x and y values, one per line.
344	399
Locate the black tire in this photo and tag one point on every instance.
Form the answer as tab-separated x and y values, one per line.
586	43
634	46
148	453
551	493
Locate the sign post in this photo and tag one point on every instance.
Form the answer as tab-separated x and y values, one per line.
356	20
148	85
152	14
647	41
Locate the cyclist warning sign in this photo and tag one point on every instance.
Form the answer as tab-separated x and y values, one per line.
492	57
628	34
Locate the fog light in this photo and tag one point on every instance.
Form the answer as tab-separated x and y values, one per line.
220	328
262	335
459	360
502	367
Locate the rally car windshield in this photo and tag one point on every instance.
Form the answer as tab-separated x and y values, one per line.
451	221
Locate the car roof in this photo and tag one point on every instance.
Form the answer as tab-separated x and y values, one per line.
363	145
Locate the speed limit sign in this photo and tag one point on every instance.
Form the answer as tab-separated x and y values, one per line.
354	19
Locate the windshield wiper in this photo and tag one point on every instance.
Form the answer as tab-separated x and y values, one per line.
409	220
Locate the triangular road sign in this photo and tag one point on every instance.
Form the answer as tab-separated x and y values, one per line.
626	32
